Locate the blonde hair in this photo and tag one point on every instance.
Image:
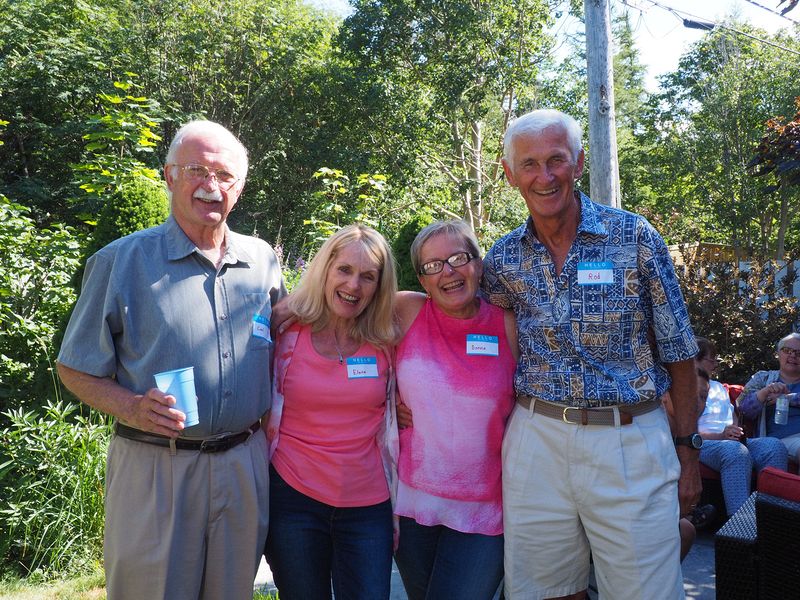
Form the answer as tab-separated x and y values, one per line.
376	323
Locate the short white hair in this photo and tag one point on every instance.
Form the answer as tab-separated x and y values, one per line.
535	122
783	340
201	126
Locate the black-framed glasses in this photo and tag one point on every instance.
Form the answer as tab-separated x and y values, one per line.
197	173
790	351
459	259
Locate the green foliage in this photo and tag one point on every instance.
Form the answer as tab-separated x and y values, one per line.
36	266
401	246
745	326
52	463
139	203
117	136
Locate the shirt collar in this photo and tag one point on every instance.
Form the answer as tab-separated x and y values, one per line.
180	246
590	221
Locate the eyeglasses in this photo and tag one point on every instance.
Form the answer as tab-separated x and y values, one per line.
197	173
459	259
791	351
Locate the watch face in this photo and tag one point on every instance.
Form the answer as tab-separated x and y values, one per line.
696	441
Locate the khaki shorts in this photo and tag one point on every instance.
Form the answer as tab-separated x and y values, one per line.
570	491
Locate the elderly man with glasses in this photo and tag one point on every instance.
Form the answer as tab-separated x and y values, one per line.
186	504
759	397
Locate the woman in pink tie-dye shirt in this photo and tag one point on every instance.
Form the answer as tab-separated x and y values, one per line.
455	367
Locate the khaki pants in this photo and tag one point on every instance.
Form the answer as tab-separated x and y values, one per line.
185	526
569	490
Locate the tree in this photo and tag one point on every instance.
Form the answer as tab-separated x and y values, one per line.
703	127
443	79
778	154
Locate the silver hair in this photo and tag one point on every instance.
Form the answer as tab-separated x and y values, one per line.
454	227
783	340
535	122
203	126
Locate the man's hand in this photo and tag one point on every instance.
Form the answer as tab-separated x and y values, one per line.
732	432
149	412
282	318
689	484
153	412
404	416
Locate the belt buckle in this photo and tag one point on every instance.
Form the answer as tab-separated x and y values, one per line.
215	443
564	415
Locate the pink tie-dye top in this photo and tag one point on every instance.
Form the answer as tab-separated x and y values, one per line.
450	459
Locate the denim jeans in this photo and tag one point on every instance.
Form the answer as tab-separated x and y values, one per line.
311	543
437	562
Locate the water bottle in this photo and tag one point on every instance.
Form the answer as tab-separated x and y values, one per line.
781	410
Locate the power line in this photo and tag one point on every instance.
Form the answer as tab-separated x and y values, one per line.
774	12
706	24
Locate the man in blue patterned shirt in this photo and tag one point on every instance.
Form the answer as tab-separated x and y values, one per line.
589	463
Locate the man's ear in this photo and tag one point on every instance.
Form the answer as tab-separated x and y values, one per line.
509	173
579	165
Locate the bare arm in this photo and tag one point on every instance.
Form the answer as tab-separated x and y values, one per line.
683	395
149	412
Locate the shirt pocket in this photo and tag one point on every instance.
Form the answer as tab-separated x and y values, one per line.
259	313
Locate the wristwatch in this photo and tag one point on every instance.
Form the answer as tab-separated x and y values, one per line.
692	440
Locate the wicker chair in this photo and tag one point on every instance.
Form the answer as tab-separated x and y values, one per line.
756	550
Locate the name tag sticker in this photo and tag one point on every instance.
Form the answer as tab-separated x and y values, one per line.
595	273
261	327
483	345
362	367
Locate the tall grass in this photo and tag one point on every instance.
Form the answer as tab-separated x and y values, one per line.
52	463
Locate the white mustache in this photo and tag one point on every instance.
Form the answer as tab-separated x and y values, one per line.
213	195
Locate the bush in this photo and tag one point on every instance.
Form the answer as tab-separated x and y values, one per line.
36	265
140	203
401	247
52	463
745	326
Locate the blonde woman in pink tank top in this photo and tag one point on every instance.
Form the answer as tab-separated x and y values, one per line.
455	368
332	428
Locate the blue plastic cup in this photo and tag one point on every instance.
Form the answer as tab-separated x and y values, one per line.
180	384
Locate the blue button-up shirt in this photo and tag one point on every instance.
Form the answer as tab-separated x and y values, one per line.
152	302
583	343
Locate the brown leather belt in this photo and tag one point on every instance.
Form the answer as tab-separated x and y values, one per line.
217	443
589	416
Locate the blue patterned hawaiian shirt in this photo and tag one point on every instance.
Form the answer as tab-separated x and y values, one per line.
583	335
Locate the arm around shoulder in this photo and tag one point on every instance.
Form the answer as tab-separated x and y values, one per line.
511	332
407	307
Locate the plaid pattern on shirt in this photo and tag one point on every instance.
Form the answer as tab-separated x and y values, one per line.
587	345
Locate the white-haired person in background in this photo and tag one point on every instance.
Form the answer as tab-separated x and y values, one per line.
757	400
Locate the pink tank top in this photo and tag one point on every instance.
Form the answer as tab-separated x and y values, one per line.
328	432
456	375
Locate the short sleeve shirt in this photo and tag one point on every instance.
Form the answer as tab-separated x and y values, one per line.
152	302
584	334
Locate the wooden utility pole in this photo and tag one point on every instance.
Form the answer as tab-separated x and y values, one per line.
603	162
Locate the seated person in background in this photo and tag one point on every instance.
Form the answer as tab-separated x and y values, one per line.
758	398
724	449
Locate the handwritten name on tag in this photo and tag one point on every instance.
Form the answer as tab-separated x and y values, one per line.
595	273
483	345
362	367
261	327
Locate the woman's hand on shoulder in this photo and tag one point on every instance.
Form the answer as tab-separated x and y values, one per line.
282	317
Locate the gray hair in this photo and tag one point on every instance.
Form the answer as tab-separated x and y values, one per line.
455	227
202	126
783	340
535	122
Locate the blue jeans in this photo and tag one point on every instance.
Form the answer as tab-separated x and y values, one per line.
735	462
311	543
437	562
